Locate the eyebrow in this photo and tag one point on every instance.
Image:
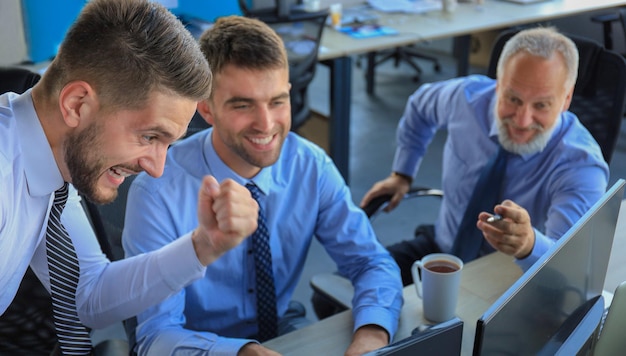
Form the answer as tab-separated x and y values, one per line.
164	133
514	93
239	99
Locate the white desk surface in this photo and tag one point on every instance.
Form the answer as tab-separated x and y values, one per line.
482	282
467	19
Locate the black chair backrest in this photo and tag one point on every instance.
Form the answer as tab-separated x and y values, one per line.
17	80
301	32
599	93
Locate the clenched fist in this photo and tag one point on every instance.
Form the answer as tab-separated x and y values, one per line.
227	214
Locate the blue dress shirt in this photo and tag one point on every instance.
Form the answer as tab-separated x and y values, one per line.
107	292
556	186
304	196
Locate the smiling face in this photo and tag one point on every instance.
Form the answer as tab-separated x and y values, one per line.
531	95
114	145
251	115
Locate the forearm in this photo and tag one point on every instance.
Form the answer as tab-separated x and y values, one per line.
179	341
378	296
125	288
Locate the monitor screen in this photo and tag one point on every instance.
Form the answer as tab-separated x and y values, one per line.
440	339
567	276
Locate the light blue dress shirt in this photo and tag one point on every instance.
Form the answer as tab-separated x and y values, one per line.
303	196
107	292
556	186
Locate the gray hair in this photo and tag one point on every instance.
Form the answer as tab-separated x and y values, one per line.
542	42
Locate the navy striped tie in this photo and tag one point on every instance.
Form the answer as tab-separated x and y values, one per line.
64	272
267	316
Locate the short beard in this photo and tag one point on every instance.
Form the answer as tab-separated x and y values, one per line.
84	169
536	144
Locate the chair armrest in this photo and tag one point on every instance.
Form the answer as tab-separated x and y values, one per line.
376	205
334	287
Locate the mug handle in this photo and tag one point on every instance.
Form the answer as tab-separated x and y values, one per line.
416	277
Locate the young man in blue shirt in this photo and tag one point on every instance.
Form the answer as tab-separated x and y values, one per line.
302	195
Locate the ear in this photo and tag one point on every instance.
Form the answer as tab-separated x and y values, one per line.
205	109
77	100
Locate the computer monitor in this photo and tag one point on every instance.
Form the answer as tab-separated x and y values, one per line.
440	339
569	275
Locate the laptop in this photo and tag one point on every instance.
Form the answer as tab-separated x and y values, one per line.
611	340
439	339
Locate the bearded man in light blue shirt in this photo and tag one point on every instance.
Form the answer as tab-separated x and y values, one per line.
302	194
108	106
555	169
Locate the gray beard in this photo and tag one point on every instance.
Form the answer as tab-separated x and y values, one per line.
536	144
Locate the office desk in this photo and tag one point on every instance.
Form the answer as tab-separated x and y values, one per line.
336	48
482	282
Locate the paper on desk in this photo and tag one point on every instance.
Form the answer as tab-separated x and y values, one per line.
416	6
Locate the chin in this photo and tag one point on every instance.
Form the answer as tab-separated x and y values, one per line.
102	196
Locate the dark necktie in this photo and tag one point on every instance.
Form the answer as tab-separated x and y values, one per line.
487	193
267	316
64	272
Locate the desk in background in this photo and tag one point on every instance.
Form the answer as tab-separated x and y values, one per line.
467	19
482	282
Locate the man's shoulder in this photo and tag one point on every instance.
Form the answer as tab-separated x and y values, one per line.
576	142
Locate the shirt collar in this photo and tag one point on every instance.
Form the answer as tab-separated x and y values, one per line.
40	169
221	171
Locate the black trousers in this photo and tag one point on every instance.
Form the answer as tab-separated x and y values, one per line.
408	251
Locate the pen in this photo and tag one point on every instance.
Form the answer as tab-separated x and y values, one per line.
494	218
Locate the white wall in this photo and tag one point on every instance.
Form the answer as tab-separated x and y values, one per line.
12	42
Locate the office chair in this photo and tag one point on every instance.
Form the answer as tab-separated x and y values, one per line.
405	54
598	101
301	32
27	326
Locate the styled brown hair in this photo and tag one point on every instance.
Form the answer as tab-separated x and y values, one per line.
243	42
126	50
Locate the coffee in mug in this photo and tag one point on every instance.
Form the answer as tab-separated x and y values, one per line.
442	266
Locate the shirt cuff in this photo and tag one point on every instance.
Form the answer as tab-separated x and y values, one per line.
376	316
405	162
179	264
542	245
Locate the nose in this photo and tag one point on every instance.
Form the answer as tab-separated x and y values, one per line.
154	162
523	116
263	120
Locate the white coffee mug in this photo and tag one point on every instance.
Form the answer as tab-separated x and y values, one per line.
438	286
449	6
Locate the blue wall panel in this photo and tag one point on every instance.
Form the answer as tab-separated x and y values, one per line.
46	22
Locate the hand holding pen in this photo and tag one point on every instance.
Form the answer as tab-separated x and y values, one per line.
509	229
